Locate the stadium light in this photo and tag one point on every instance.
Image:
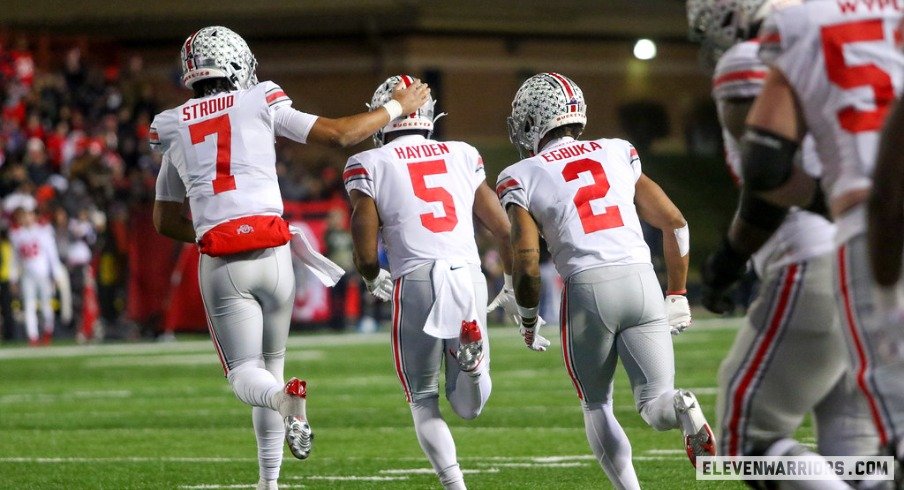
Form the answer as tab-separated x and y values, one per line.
644	49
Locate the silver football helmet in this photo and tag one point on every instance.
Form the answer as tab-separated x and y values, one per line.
545	101
719	24
218	52
422	119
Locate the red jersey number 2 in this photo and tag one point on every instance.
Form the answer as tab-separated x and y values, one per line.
418	172
611	216
221	128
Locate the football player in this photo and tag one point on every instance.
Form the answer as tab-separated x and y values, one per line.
834	70
581	195
36	262
218	155
763	392
422	196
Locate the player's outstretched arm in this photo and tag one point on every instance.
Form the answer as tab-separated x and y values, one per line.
885	226
655	207
169	221
351	130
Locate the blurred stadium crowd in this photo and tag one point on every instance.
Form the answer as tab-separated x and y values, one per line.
75	150
74	139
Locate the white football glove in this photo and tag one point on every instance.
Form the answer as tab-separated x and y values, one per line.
506	300
380	286
531	334
678	313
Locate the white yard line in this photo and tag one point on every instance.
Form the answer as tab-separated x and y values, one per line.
296	341
131	459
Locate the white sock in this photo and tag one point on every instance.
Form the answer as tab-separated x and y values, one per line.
435	438
470	391
610	445
263	484
270	432
452	478
659	412
254	385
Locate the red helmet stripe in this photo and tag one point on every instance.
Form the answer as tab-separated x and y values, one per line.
407	80
566	86
189	58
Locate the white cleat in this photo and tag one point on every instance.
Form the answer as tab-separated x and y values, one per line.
470	347
698	437
299	435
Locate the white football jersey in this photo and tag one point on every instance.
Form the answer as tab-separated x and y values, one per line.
581	194
219	152
740	74
840	58
35	249
424	192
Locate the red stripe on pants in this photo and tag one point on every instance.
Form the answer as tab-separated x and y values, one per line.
566	344
862	359
396	342
747	380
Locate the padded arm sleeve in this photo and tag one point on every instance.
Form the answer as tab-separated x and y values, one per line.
767	159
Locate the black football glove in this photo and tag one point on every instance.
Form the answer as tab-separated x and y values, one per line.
720	271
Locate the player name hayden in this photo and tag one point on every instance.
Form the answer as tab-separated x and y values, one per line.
207	107
421	151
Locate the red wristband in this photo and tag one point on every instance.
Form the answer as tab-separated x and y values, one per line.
680	292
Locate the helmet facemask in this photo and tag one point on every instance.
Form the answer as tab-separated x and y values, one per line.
544	102
218	52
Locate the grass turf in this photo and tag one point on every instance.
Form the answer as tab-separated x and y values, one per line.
161	416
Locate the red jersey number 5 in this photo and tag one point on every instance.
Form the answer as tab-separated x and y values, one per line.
418	172
848	77
222	129
611	216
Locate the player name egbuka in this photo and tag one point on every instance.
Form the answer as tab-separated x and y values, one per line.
421	151
207	107
571	151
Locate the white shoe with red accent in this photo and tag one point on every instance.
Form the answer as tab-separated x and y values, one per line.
698	437
291	403
470	347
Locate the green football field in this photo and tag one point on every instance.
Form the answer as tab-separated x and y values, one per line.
130	416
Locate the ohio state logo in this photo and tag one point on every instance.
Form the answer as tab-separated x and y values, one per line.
244	229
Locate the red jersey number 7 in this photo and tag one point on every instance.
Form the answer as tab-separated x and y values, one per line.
221	128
